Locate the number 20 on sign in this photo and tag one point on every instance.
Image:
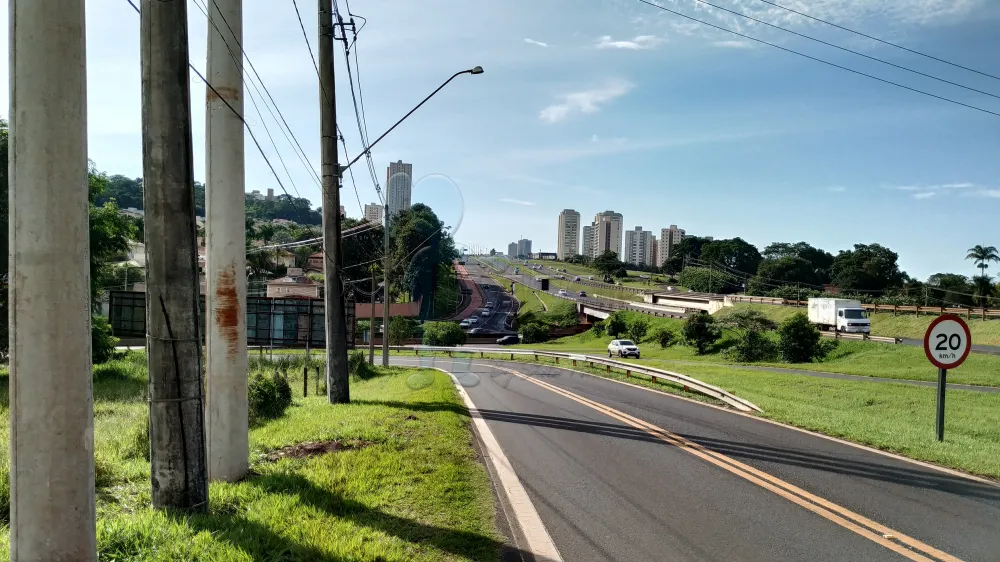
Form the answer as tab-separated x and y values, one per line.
947	344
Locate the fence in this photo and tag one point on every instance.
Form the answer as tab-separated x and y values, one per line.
984	313
271	322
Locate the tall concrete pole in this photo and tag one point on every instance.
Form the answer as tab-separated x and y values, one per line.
227	413
385	281
336	323
173	325
51	402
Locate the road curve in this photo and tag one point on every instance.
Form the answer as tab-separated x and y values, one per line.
619	472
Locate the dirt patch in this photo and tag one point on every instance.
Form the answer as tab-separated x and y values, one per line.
314	449
411	417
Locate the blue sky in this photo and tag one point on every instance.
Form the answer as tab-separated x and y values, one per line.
612	104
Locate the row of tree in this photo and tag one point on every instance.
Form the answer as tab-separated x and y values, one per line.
800	270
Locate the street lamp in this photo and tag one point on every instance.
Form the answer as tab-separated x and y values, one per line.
475	70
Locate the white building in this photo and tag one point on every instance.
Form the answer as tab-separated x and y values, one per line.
669	239
588	241
568	236
373	213
512	250
638	247
524	247
399	186
655	252
608	233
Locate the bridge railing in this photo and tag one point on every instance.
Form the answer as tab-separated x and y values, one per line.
655	374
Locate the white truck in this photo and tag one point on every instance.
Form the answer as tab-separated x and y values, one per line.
842	315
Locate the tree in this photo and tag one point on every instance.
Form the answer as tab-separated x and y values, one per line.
868	267
701	331
751	345
819	260
665	337
534	332
735	254
607	264
709	280
746	320
951	289
447	334
982	255
638	328
400	329
420	242
787	270
615	325
688	249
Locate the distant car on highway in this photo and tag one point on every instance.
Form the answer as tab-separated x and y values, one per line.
590	277
489	304
577	278
623	348
563	293
508	340
475	331
582	294
473	320
485	313
465	324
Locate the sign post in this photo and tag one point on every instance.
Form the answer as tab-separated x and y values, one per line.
947	343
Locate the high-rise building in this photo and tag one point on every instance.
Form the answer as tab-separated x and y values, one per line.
373	213
669	239
512	250
399	186
638	247
608	233
524	247
654	252
588	241
568	237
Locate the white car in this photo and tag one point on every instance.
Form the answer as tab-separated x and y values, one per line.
473	320
623	348
485	313
563	293
464	324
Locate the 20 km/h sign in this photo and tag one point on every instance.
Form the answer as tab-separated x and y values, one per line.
947	343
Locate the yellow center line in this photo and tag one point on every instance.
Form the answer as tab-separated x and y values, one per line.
840	515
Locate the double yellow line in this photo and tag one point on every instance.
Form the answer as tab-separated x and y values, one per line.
893	540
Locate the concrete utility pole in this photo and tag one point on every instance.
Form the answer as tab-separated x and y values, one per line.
371	323
337	386
173	326
227	411
52	513
385	285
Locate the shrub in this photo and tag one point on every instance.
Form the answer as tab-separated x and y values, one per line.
358	367
800	340
615	325
269	396
701	331
665	337
752	347
598	328
638	328
535	332
102	342
445	334
400	329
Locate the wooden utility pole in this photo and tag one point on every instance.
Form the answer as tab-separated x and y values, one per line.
338	390
52	513
173	326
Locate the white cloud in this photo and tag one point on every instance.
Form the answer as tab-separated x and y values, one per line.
836	189
924	195
637	43
733	44
990	193
586	101
518	202
963	185
533	42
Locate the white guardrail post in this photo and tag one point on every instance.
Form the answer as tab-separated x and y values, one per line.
687	382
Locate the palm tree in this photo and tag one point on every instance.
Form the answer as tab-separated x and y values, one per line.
982	255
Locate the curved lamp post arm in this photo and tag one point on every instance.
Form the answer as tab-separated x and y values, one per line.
476	70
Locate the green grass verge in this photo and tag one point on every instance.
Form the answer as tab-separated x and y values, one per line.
885	324
408	488
851	357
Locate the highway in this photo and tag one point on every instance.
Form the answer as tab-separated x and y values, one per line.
503	304
622	473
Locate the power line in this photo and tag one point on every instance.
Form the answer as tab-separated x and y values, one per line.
883	41
810	57
853	52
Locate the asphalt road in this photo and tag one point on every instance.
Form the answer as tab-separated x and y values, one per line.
503	304
659	478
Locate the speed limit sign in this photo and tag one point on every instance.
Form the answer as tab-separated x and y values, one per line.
947	342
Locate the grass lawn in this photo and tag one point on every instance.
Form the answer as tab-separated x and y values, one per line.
851	357
885	324
407	485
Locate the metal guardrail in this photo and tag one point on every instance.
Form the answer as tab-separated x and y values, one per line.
687	382
864	337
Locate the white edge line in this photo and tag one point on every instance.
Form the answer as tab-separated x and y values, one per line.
924	464
537	537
